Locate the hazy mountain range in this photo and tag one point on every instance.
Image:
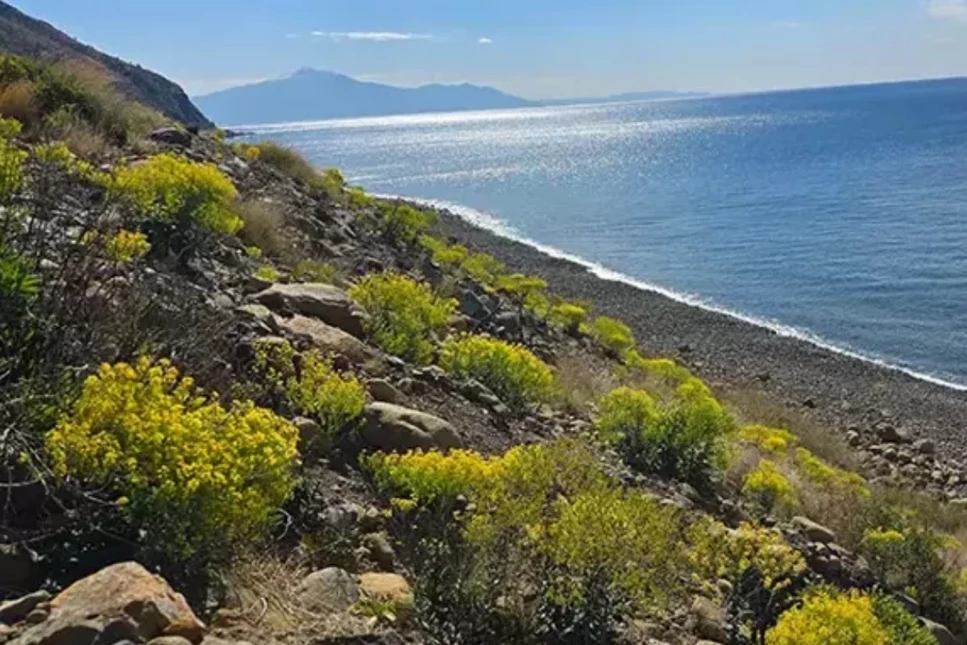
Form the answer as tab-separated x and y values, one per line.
311	94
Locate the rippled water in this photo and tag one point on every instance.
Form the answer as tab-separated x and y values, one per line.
841	213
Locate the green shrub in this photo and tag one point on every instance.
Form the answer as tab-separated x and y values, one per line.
513	373
312	271
663	368
194	476
286	161
903	627
171	189
309	384
767	487
828	617
267	272
262	225
684	438
401	222
567	315
612	335
11	159
482	267
404	315
717	552
772	440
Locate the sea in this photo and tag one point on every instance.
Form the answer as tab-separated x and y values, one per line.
838	215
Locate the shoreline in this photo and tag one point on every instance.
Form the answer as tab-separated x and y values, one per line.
833	387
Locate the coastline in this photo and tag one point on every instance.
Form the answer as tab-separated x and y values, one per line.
834	388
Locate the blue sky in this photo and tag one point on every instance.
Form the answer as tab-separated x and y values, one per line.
535	48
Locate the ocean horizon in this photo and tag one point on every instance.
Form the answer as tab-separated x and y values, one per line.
836	215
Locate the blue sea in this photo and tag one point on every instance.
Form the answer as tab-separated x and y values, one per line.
838	215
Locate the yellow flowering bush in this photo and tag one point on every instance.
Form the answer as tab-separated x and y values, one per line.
830	618
482	267
882	547
194	473
312	271
168	187
511	371
11	159
772	440
427	477
663	368
59	155
682	438
903	627
567	315
267	272
401	222
311	385
404	315
767	487
720	552
613	335
125	246
817	471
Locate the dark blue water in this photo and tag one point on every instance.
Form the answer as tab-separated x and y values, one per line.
838	213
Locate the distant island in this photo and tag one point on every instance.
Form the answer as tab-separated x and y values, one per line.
311	94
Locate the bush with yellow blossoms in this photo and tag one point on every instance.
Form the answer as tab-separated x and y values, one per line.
11	159
720	552
404	315
766	486
830	618
771	440
171	188
613	335
510	371
125	246
193	475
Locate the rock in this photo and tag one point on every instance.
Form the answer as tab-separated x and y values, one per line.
13	611
891	434
707	620
925	447
813	531
173	640
480	393
257	312
387	587
393	428
383	390
371	520
853	438
471	305
939	632
37	616
433	373
311	436
342	517
329	304
380	550
330	590
173	136
123	601
331	340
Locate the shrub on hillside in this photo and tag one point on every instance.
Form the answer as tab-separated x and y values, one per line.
768	488
404	315
194	476
45	93
903	627
513	373
662	368
312	271
771	440
567	315
718	552
12	159
400	222
262	226
309	383
683	438
829	617
613	335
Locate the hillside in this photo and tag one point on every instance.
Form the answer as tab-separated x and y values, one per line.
310	94
329	418
25	36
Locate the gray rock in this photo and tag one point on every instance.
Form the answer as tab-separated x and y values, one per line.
342	517
380	550
18	567
329	304
312	438
332	340
891	434
171	135
393	428
939	632
37	616
813	531
925	447
384	391
257	312
707	620
330	590
170	640
13	611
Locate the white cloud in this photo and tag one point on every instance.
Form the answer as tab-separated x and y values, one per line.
291	36
948	9
485	41
377	36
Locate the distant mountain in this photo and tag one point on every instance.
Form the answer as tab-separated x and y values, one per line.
311	94
25	36
629	96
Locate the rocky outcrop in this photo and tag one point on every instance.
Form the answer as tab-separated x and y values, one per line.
325	302
330	590
393	428
331	340
121	602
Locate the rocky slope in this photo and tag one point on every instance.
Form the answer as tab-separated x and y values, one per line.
25	36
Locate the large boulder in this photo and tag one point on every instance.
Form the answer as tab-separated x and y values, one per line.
330	590
707	620
393	428
122	602
331	340
813	531
329	304
940	632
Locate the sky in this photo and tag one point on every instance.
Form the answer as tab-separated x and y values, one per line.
533	48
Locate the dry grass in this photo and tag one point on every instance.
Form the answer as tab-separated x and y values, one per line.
263	227
262	599
288	161
582	380
19	101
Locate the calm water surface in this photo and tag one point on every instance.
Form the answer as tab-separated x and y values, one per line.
840	213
